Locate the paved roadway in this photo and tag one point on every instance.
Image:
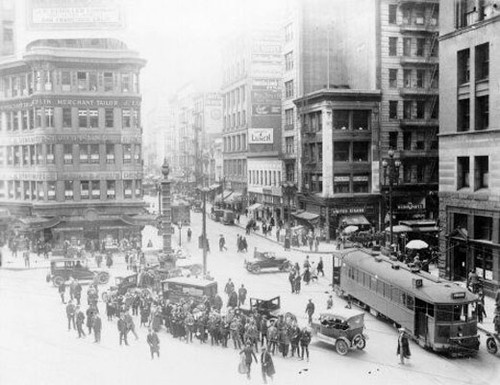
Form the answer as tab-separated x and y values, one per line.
36	348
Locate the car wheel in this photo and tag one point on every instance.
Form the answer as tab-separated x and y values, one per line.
255	269
58	280
103	278
491	346
361	343
341	347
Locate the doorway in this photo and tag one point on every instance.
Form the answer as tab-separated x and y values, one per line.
459	257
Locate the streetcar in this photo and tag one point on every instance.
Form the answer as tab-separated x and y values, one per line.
438	314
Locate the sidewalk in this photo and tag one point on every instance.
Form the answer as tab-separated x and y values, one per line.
17	263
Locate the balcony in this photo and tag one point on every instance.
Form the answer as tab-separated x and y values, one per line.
429	26
419	60
414	153
418	91
418	123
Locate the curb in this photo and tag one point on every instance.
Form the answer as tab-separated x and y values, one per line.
484	330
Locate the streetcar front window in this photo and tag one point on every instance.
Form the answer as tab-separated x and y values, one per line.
443	313
462	313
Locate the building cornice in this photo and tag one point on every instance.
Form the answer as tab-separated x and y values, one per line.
469	28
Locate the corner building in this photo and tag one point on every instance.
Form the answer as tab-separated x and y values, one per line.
70	147
469	177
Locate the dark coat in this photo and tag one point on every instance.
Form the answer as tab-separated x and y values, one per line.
153	342
403	342
267	364
97	324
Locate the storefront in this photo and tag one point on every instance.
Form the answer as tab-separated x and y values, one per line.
269	201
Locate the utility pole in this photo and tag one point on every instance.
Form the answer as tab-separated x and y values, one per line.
204	231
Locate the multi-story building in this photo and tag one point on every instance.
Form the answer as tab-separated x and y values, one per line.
251	93
70	151
469	160
7	18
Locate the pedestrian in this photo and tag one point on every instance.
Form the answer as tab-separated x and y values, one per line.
297	282
232	300
153	342
329	303
130	324
222	243
403	346
321	267
305	340
247	355
272	336
62	291
291	279
306	276
242	295
481	313
295	339
80	319
90	315
98	260
310	310
307	263
77	291
189	234
70	314
122	329
316	244
229	288
267	365
97	327
26	255
109	260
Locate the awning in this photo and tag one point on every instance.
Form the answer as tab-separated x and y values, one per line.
355	220
39	223
255	206
427	229
139	220
306	215
235	198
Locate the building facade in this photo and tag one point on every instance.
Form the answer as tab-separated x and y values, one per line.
71	156
469	138
7	18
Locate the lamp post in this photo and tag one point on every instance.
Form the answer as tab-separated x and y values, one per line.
391	174
204	191
223	186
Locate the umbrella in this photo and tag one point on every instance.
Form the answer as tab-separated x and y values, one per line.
417	244
399	229
351	229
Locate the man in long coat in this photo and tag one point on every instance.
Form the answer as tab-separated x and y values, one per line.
403	346
153	342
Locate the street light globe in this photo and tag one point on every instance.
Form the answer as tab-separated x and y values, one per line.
390	153
397	163
384	164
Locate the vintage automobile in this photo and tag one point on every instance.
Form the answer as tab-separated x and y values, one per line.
266	260
492	342
216	215
197	206
266	307
342	328
228	217
62	269
188	288
122	286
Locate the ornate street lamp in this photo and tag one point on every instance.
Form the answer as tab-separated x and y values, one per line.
391	174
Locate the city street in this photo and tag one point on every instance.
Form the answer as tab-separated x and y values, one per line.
36	348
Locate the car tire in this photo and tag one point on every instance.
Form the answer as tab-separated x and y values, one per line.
255	269
341	347
360	343
58	280
103	278
491	345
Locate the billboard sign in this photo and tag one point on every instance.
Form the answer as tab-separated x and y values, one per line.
260	136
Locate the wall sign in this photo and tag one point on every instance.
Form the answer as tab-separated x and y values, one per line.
260	135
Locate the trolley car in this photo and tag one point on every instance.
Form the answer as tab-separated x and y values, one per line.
438	314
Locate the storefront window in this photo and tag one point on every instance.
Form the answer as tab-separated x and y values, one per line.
483	261
360	183
341	119
341	184
341	151
483	227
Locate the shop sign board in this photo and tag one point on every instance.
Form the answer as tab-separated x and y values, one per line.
260	135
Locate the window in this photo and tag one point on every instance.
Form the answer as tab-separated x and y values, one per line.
82	118
360	120
482	61
137	152
289	145
341	184
481	172
289	119
84	153
92	81
393	46
138	188
38	117
51	190
126	119
16	120
360	183
49	117
419	16
407	140
127	189
463	170
393	109
110	153
289	32
93	118
483	227
420	109
360	151
82	81
84	189
290	172
8	31
463	66
68	190
135	83
50	153
483	261
341	151
393	9
407	78
68	153
25	120
463	112
108	81
66	112
407	109
406	46
127	153
110	189
125	82
341	119
482	112
94	153
393	140
420	141
289	92
393	78
66	81
420	78
420	47
289	61
95	189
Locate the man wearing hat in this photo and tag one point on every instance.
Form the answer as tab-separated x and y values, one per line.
403	346
267	365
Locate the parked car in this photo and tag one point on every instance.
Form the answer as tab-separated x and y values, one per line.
122	286
62	269
216	215
228	217
266	307
266	260
342	328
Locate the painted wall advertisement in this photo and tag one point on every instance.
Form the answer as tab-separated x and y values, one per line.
260	135
266	102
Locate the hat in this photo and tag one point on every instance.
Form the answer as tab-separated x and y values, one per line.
402	330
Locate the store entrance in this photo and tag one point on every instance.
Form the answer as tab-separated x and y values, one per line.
459	262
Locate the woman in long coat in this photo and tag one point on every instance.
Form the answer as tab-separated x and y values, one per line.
403	346
267	365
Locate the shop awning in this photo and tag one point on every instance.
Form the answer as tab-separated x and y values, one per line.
39	223
427	229
139	220
306	215
355	220
255	206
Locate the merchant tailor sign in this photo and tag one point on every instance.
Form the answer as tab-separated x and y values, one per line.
71	102
260	136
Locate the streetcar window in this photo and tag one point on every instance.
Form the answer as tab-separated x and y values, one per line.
410	301
430	310
462	313
443	313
